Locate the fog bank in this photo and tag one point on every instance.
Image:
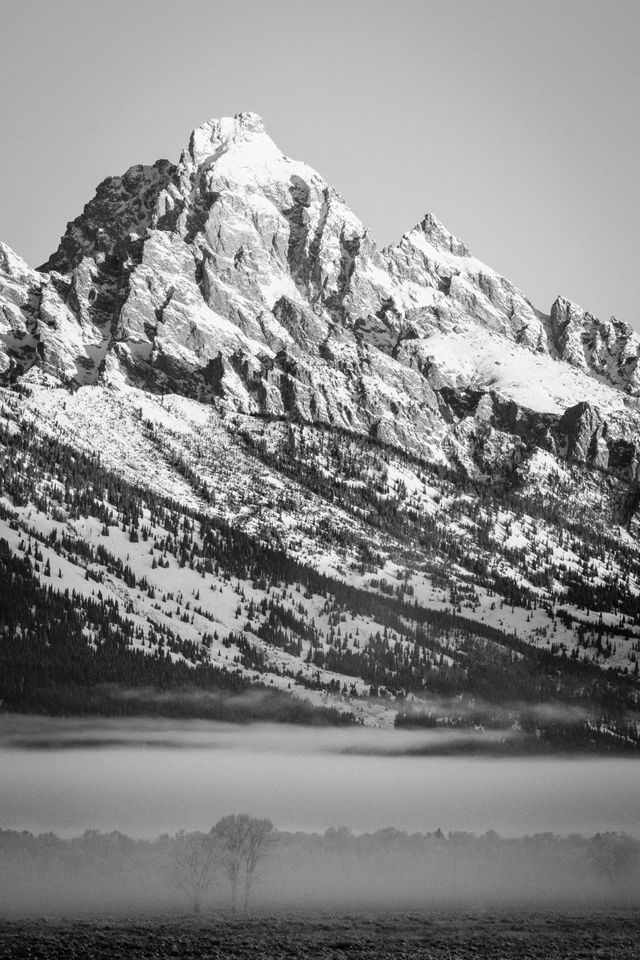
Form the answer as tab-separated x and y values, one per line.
110	873
147	777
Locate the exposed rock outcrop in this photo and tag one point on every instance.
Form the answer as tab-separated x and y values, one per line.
240	277
609	349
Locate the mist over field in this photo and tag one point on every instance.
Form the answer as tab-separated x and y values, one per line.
148	776
97	816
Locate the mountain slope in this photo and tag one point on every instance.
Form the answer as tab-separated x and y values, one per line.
226	334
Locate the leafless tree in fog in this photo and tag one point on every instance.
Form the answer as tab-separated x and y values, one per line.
244	841
615	856
194	860
231	832
258	838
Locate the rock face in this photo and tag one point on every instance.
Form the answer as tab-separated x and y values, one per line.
608	349
463	287
218	366
122	206
240	277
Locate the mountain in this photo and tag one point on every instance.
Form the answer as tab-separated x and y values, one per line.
246	440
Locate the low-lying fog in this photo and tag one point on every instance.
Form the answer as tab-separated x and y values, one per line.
146	777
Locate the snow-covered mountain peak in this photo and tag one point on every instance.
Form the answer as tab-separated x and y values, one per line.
209	136
12	266
237	151
241	277
225	333
438	236
217	136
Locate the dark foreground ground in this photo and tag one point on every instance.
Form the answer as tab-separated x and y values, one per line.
407	936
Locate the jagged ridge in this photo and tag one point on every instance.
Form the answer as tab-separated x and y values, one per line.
240	280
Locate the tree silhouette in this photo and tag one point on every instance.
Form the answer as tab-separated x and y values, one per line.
231	832
194	865
244	841
258	838
615	856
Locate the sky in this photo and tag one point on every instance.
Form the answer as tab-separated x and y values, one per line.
516	122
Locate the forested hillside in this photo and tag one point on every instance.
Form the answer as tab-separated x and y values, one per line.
245	451
110	586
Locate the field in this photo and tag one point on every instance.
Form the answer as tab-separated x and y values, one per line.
388	937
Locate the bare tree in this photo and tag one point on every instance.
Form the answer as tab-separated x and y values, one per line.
244	842
231	832
258	839
615	856
194	864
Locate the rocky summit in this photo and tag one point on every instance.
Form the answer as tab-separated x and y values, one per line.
241	445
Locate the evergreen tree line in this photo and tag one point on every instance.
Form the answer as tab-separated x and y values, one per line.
46	646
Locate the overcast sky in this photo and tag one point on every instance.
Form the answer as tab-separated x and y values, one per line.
516	122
